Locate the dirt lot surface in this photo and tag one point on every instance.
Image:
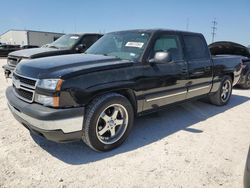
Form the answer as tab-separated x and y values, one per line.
191	145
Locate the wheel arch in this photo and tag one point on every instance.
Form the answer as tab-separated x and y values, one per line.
231	75
126	92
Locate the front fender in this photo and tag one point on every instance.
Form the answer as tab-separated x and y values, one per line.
88	94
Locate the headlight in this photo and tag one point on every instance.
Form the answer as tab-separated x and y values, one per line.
51	84
47	100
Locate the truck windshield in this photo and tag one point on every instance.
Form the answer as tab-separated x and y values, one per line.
124	45
65	42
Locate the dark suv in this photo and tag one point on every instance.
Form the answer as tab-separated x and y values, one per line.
5	49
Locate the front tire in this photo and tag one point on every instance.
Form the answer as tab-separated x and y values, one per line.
108	121
223	95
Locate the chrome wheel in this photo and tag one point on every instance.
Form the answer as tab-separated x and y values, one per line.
226	91
112	124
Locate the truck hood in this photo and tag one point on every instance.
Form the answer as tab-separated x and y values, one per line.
37	52
68	65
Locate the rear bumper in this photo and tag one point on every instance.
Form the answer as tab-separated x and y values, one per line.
58	125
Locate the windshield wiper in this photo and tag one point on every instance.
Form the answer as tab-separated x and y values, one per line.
104	55
111	55
53	47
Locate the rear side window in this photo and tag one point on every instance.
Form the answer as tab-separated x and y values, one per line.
196	48
168	43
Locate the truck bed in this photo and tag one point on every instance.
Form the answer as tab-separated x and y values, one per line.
229	62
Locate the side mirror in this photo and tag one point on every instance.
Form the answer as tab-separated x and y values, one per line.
161	57
80	48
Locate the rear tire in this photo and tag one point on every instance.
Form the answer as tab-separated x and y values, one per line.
108	121
223	95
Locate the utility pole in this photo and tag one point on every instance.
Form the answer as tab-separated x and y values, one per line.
214	28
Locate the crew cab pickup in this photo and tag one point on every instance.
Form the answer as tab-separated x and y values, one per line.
95	96
66	44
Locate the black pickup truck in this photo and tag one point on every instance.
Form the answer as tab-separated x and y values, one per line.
95	96
66	44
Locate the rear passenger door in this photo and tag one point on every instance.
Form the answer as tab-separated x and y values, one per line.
165	82
199	65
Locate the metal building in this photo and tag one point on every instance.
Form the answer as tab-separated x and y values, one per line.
29	37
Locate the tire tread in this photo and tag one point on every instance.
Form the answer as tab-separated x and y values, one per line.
90	111
216	98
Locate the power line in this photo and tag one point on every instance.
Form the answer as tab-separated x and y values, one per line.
214	28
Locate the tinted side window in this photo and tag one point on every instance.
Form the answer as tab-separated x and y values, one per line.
89	40
168	43
196	48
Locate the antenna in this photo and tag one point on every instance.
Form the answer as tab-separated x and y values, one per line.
75	27
187	24
214	28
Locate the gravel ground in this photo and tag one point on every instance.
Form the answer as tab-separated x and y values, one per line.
191	145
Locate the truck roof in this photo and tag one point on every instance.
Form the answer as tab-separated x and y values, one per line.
81	34
159	30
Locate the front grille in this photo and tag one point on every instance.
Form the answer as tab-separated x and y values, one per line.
24	87
25	80
26	95
13	61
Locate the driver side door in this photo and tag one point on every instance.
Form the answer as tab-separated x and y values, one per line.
165	83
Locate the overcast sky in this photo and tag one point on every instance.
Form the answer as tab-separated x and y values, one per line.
233	16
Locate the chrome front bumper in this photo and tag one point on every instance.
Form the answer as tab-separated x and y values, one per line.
44	119
66	125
